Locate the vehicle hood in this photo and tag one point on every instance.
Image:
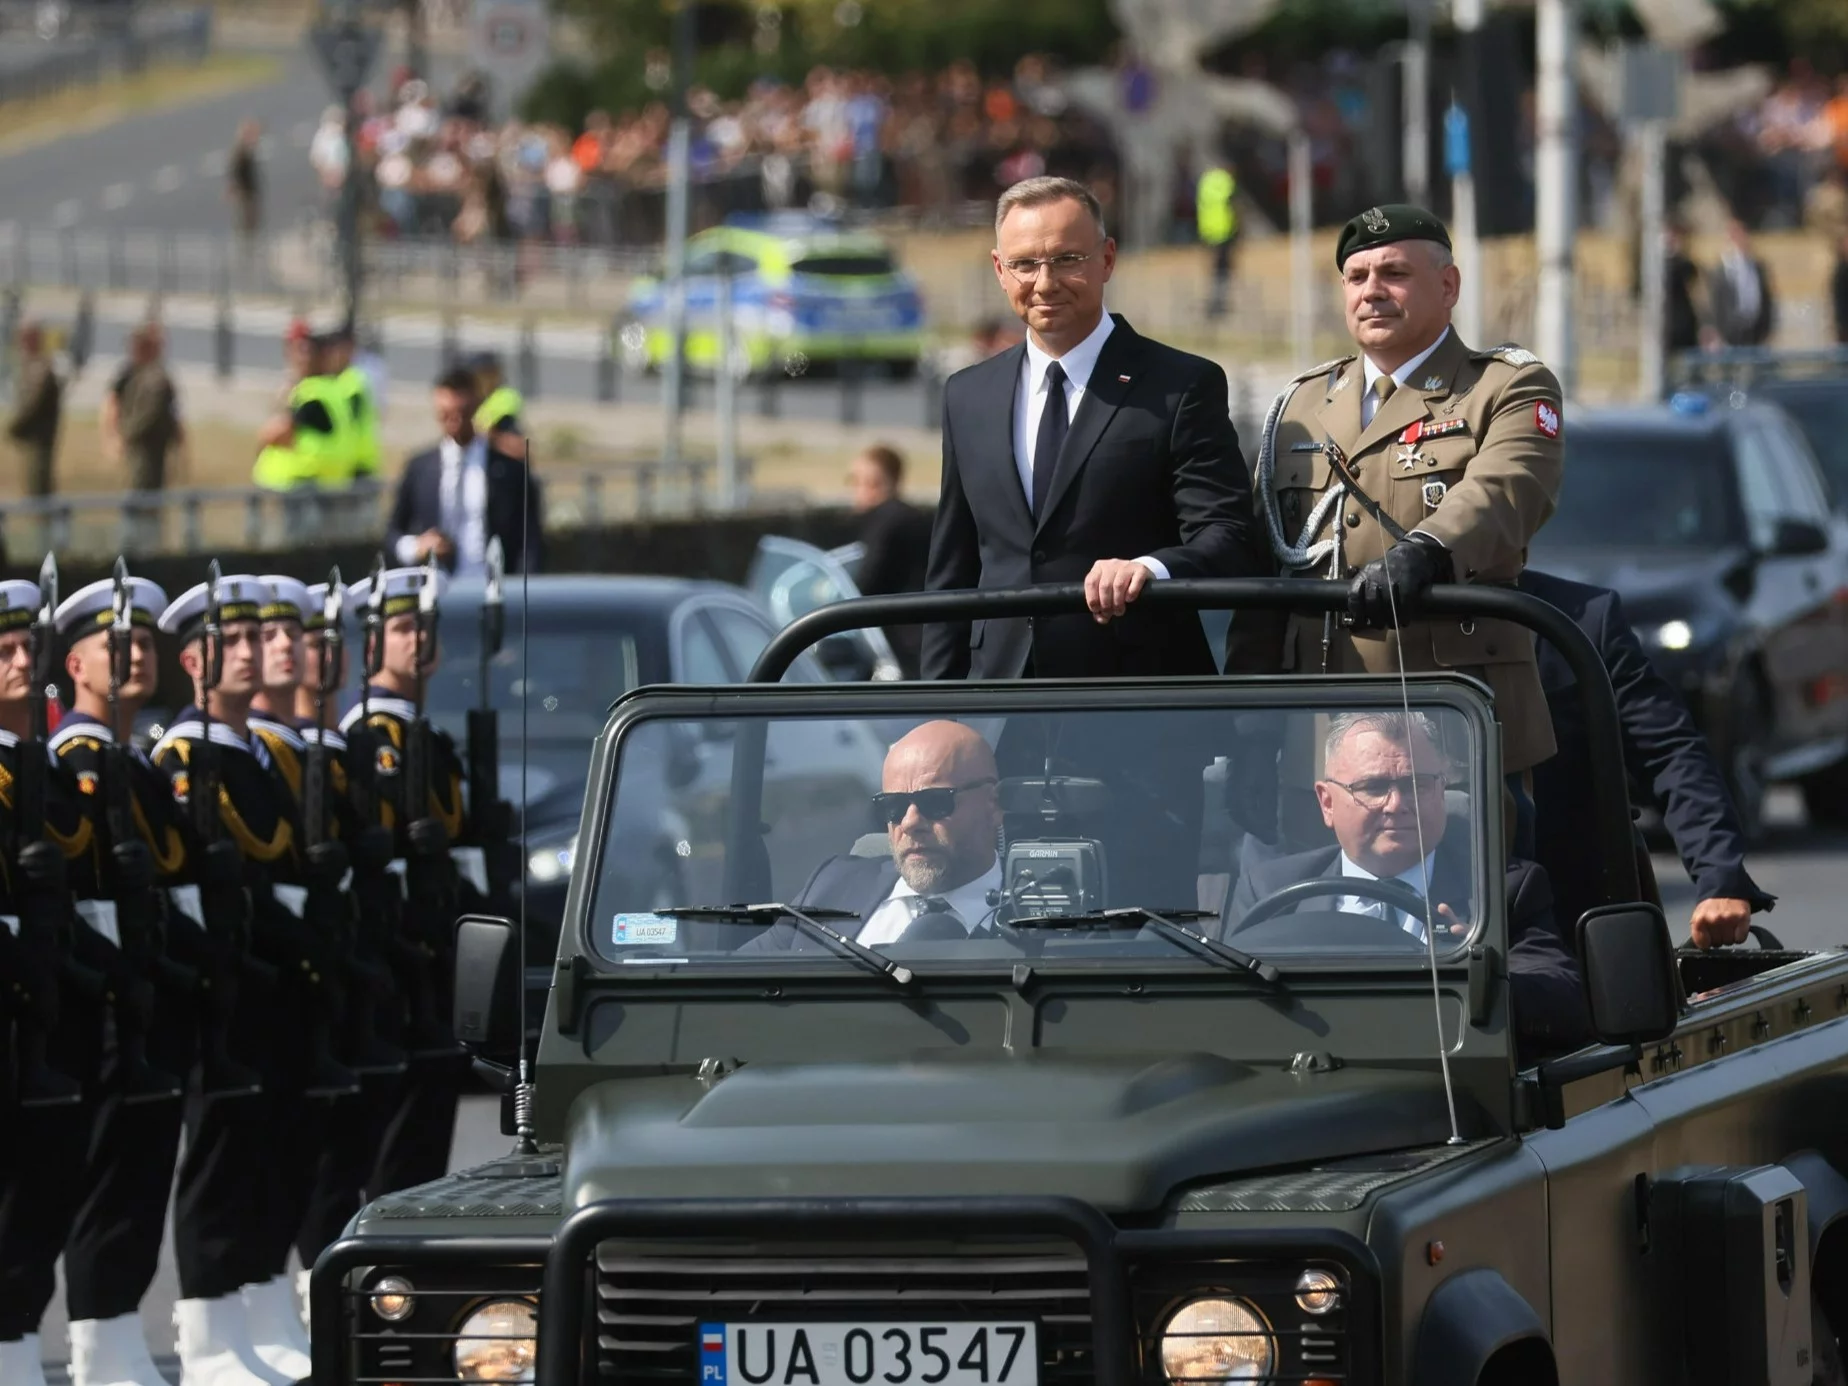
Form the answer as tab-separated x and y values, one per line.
1681	578
1123	1133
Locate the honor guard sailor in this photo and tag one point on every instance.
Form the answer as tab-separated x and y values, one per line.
413	777
255	883
1417	461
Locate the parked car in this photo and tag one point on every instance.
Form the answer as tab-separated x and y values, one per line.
1714	523
791	578
595	638
804	294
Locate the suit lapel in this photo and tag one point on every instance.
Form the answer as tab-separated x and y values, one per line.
1104	394
996	397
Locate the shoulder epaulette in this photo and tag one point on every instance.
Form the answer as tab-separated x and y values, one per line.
79	731
1326	368
1509	353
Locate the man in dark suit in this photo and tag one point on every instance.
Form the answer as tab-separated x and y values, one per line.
460	494
943	818
1665	755
1088	452
896	537
1382	795
1740	292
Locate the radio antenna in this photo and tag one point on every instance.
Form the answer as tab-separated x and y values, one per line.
523	1082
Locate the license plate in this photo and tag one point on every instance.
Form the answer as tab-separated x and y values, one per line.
868	1354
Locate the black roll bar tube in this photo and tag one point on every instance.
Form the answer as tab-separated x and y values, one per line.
1611	828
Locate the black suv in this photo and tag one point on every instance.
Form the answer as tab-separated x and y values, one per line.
1714	522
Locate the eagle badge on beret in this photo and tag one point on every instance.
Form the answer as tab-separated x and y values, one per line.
1375	221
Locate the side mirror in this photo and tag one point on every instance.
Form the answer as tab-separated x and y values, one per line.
488	977
1798	539
1631	981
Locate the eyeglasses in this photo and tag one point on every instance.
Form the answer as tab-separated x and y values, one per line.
1374	791
1061	266
935	804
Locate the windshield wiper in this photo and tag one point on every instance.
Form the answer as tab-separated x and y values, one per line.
809	919
1167	922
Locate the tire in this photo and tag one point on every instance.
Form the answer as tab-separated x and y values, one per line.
1825	796
1744	768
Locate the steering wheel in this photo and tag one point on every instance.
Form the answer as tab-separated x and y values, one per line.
1395	893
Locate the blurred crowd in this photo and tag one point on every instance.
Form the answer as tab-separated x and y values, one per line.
436	166
1775	159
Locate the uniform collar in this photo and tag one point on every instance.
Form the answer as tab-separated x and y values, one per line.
1402	376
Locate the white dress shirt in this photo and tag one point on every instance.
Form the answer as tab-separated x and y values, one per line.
462	494
969	903
1415	876
1370	402
1744	276
1030	404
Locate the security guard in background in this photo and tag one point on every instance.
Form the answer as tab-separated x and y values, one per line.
497	417
253	876
44	1121
362	412
445	870
1417	462
113	1248
310	444
1216	222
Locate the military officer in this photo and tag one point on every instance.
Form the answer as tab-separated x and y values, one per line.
444	867
1417	461
111	671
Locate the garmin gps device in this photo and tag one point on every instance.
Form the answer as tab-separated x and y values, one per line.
1054	862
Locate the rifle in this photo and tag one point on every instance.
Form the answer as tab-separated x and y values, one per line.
430	873
315	772
490	815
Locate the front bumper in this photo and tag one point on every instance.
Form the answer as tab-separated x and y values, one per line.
1131	1279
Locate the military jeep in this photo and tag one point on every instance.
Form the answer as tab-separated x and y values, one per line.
1130	1126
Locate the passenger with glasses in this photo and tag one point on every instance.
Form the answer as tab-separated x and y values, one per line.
939	805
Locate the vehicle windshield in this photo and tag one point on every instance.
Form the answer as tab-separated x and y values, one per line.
1334	831
1822	414
868	263
1634	488
572	674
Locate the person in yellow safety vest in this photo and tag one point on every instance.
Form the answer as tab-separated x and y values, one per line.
309	444
362	414
498	415
1216	220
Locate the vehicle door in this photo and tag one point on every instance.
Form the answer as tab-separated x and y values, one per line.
792	578
1792	596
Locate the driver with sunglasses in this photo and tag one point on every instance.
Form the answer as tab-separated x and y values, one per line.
1382	795
938	800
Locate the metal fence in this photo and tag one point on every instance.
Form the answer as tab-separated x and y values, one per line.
107	50
199	520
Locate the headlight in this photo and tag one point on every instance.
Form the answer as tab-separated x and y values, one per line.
1674	635
1318	1292
392	1299
1217	1340
498	1342
551	861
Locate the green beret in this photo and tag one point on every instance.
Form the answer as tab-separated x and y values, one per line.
1396	221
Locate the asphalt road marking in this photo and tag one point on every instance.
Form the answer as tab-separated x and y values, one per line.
117	196
169	179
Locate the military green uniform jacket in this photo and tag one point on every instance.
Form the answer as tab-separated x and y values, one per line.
1469	451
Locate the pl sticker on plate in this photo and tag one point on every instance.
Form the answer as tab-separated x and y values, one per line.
645	928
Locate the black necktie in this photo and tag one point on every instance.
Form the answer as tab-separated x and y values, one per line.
1054	424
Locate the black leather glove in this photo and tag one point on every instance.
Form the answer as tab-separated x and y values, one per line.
221	864
132	865
428	837
327	862
42	866
1397	582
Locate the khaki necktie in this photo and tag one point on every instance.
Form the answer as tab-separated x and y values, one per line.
1381	391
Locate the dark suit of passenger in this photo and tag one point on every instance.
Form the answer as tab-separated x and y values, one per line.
896	537
1543	976
1151	467
859	884
1666	757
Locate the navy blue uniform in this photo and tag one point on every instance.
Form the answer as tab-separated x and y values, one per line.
1665	755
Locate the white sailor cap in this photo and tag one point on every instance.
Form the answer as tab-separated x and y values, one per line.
403	586
241	597
314	614
19	604
288	598
91	610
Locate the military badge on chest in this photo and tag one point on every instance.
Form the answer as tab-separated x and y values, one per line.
1409	457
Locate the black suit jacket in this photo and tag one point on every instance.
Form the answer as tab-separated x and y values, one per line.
1548	995
1151	468
1664	755
859	884
897	541
1736	327
418	506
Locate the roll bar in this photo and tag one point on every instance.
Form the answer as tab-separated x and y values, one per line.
1612	830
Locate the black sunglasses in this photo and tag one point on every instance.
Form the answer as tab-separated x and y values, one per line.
935	804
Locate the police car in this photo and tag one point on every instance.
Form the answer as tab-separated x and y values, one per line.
805	295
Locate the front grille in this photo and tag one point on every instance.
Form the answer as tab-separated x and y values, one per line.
649	1308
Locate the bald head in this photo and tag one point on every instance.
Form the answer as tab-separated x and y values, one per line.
935	854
